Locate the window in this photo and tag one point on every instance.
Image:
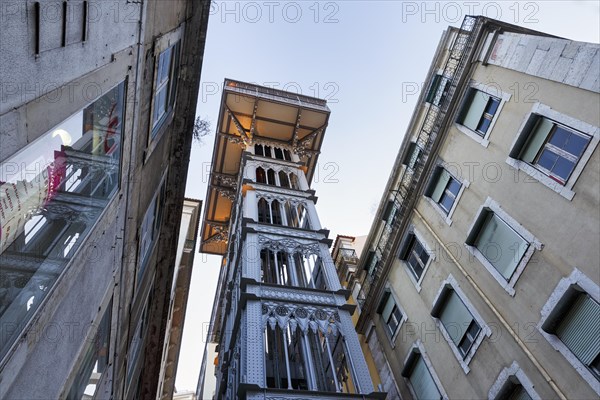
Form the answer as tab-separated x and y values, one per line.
478	111
513	384
437	90
264	212
165	85
443	189
553	148
578	327
571	324
502	245
276	212
261	177
371	264
412	156
390	313
460	324
52	192
258	150
278	153
150	227
271	177
287	155
95	361
283	179
416	256
421	378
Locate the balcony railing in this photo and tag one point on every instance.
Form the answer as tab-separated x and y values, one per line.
411	174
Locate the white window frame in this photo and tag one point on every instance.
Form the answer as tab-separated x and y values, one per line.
392	337
534	244
418	347
543	110
491	90
451	284
507	374
413	231
580	280
464	184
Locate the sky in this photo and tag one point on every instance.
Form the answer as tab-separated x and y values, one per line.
368	59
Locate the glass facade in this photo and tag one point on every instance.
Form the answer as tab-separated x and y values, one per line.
52	192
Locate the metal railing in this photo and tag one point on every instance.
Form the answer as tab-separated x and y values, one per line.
410	176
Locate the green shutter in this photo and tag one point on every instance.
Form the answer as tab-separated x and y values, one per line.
387	310
422	382
440	186
580	329
455	317
476	109
501	246
536	139
433	88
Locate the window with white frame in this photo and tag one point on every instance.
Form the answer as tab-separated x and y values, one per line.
420	377
165	85
459	322
513	384
415	254
553	148
501	244
570	322
390	312
478	111
443	189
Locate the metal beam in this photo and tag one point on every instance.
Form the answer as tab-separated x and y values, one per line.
238	126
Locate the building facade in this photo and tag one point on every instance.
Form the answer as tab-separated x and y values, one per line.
179	293
481	270
97	107
280	320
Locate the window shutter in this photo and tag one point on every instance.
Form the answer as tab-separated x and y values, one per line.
440	186
580	329
476	108
422	382
382	303
405	246
455	317
480	222
369	259
536	139
501	245
433	89
388	210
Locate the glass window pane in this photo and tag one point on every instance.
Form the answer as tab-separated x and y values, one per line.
492	106
563	168
61	183
547	159
446	202
484	124
454	186
576	144
559	137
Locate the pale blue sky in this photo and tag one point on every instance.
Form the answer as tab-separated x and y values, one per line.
366	59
